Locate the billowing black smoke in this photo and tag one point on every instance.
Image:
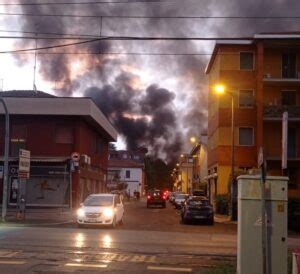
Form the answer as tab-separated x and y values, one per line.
146	118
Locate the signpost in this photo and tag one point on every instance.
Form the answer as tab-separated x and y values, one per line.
23	175
262	164
285	117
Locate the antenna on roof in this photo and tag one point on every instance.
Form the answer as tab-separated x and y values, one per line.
34	68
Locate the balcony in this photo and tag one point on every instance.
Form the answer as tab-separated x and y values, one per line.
275	112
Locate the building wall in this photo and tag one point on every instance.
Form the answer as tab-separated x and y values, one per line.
40	135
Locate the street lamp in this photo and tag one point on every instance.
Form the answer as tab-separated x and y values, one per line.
193	140
221	89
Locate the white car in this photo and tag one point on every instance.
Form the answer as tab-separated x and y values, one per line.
101	209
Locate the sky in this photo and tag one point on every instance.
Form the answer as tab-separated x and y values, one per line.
155	93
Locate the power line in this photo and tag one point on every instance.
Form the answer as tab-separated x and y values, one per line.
50	33
120	53
121	38
131	38
147	17
51	47
84	3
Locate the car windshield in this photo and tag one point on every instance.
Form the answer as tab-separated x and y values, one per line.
180	196
198	202
98	201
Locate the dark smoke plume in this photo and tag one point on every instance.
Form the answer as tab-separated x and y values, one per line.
147	116
145	119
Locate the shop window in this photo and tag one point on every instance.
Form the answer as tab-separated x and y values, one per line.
246	98
246	136
127	174
246	61
288	98
64	134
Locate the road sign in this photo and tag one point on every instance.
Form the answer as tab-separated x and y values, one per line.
24	164
75	156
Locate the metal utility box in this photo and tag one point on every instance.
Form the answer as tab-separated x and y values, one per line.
249	224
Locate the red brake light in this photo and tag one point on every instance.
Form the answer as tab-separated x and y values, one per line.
164	197
148	197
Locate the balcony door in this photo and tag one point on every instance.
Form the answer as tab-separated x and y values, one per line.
289	65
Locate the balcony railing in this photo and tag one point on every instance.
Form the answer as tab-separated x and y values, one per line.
271	112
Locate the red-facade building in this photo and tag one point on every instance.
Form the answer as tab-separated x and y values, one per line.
52	128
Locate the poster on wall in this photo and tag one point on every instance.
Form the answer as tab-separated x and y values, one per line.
47	186
47	191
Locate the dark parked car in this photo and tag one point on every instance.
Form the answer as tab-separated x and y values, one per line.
156	197
197	209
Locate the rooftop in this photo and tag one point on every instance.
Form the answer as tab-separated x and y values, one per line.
27	102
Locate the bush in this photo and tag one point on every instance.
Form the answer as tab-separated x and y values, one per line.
222	204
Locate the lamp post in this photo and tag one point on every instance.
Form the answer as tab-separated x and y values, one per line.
221	89
6	151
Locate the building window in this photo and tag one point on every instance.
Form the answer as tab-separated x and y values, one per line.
246	60
18	139
127	174
246	136
97	148
246	98
64	134
288	65
288	98
292	143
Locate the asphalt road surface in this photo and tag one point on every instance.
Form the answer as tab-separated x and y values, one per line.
150	241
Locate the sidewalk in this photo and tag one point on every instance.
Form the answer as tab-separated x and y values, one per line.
224	219
41	216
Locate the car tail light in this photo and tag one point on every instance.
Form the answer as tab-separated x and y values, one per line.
148	197
164	197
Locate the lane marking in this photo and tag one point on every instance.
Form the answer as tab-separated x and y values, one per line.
86	265
165	268
12	262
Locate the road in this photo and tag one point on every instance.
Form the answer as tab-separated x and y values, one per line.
150	241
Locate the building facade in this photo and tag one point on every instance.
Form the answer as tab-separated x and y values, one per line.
52	128
191	170
263	76
126	171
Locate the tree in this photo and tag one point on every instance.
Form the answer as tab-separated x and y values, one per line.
157	173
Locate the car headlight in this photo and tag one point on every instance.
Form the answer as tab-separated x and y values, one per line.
108	212
80	212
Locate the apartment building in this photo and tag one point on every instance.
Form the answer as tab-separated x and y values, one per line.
263	76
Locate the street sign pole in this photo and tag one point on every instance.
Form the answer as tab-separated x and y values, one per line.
262	165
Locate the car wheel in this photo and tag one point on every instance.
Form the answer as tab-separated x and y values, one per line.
114	222
211	221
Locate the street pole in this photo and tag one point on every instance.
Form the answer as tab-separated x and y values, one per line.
232	154
6	151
